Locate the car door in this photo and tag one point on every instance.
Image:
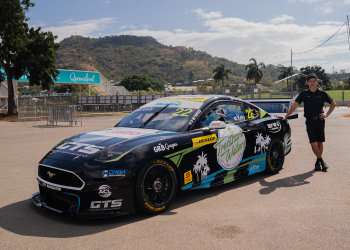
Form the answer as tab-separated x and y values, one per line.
217	151
258	139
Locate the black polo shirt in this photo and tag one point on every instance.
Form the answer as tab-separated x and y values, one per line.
313	102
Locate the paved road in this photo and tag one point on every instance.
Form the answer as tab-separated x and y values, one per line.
295	209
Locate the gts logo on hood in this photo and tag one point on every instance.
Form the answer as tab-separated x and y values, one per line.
80	147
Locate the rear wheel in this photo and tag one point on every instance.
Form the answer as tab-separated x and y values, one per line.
156	186
275	157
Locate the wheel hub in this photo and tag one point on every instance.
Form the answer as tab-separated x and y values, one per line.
157	185
275	154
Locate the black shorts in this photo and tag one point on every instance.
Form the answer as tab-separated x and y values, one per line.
315	130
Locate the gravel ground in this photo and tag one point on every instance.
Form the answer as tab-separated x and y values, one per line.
295	209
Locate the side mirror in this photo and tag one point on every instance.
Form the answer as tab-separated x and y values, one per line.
217	125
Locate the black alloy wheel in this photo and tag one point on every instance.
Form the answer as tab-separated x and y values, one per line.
275	157
156	186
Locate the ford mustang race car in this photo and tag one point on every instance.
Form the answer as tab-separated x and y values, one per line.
167	145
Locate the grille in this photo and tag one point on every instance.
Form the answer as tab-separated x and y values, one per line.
58	200
59	177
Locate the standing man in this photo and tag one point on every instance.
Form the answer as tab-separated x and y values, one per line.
314	100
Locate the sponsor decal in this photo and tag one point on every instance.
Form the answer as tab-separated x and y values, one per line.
50	174
262	143
105	205
113	173
254	167
154	208
104	191
123	132
201	167
187	177
204	140
144	109
274	127
79	147
230	146
171	104
49	186
187	99
162	147
195	116
215	124
164	163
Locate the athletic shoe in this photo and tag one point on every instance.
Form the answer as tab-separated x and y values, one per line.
317	166
324	166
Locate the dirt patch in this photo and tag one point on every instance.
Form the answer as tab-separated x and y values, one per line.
346	115
8	118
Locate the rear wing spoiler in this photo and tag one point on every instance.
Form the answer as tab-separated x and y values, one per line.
276	107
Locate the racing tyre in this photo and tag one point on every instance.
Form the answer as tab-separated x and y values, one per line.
156	187
274	157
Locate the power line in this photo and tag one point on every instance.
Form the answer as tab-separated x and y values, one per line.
348	30
326	40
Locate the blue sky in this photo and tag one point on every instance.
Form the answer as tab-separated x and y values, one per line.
236	30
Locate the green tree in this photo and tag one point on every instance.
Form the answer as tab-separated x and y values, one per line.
221	73
321	74
285	72
140	82
24	50
254	71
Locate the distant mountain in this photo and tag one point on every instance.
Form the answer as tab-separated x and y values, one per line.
118	56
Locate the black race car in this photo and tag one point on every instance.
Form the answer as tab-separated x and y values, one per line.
173	143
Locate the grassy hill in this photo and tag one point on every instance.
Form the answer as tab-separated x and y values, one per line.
118	56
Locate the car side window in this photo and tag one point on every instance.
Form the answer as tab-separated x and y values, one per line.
250	112
226	112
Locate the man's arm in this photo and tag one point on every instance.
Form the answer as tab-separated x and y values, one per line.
291	110
324	116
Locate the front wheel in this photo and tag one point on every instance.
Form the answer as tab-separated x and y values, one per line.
275	157
156	186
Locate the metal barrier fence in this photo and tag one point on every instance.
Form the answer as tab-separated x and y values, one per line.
36	113
98	109
69	113
46	100
118	99
3	106
65	113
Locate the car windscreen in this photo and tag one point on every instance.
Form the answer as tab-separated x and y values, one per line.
169	119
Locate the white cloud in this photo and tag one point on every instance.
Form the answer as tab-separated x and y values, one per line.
281	19
108	2
83	28
331	23
239	40
127	26
147	26
36	23
346	2
180	31
210	15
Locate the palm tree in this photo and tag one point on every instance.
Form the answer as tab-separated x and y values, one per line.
254	72
221	73
285	72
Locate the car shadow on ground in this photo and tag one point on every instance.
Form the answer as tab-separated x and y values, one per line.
24	218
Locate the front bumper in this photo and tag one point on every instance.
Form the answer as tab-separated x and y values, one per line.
86	203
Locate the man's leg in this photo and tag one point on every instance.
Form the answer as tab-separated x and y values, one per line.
317	151
320	147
